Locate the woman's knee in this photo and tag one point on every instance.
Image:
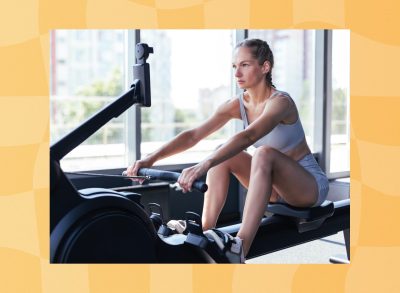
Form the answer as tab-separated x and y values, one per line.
264	156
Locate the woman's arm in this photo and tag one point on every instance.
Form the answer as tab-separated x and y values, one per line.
188	138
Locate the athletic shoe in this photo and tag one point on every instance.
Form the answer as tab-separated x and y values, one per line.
178	226
231	246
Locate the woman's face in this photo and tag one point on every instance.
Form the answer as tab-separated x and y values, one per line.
248	72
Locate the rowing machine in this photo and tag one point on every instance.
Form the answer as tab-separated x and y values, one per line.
110	226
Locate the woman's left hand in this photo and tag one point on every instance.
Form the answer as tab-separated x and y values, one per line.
189	175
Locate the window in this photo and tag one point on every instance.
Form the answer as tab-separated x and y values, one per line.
82	84
190	77
340	132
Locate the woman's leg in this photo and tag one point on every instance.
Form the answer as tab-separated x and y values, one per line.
218	183
293	183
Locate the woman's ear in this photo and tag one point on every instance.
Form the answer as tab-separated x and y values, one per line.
266	67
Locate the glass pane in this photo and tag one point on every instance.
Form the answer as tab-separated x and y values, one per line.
340	145
294	69
87	73
190	77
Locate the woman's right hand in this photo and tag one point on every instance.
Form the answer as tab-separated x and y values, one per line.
133	169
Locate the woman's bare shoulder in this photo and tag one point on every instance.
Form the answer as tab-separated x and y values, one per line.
282	97
283	104
230	107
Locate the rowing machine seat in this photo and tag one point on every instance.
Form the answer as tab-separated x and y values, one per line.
306	219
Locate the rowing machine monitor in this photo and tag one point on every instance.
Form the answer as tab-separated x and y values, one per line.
141	71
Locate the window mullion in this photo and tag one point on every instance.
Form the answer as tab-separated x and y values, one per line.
132	122
328	103
323	73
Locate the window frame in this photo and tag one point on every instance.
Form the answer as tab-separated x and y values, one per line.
324	102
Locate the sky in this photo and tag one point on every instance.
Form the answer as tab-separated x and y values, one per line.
199	63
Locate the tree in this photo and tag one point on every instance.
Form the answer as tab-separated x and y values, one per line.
77	113
99	88
339	111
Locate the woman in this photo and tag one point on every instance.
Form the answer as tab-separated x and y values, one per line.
282	167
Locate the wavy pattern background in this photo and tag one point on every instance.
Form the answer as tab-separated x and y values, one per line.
24	144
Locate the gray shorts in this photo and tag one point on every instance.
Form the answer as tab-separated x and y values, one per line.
310	164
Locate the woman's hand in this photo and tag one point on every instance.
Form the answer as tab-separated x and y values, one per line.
133	169
189	175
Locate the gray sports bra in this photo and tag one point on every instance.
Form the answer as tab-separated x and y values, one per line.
283	137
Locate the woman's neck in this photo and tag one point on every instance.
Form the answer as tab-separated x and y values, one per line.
260	94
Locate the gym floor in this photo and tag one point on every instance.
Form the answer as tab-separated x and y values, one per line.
314	252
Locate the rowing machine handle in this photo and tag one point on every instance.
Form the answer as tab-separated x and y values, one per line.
170	176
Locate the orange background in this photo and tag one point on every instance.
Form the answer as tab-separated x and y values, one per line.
24	145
